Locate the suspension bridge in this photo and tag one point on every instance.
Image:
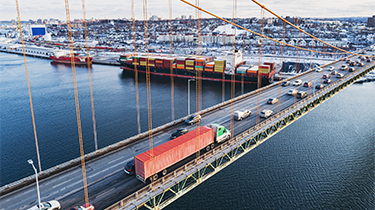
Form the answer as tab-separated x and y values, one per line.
103	182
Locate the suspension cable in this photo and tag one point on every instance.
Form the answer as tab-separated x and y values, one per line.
198	78
171	66
28	87
76	101
258	34
136	70
233	84
90	77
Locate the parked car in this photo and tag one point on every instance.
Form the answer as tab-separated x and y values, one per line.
272	101
320	86
285	83
193	119
327	81
325	76
307	84
292	92
50	205
340	75
351	69
85	206
318	69
344	67
333	72
130	167
241	114
266	113
301	94
179	132
297	82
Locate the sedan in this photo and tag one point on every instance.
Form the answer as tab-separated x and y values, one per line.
179	132
266	113
360	64
285	83
351	69
326	76
130	167
193	119
50	205
272	101
301	94
297	82
320	86
334	72
344	67
85	206
307	84
292	92
340	75
318	69
331	68
327	81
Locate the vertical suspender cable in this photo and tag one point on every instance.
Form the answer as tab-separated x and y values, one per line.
171	68
76	101
233	84
259	84
150	139
90	77
28	87
223	82
198	77
136	71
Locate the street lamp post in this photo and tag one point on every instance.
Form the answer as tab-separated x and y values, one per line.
37	184
189	95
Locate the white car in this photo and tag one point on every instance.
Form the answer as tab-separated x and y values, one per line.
331	68
340	75
292	92
266	113
297	82
241	114
50	205
318	69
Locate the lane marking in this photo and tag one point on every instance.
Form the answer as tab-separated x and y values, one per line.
61	183
115	160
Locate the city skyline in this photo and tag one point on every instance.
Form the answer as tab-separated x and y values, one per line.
224	8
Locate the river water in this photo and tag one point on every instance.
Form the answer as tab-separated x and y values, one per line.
325	160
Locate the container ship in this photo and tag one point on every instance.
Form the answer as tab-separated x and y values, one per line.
63	57
212	69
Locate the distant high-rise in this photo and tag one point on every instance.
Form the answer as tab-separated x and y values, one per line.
371	21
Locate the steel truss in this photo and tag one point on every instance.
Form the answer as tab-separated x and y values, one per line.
174	185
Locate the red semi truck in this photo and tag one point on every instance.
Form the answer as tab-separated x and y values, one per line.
150	166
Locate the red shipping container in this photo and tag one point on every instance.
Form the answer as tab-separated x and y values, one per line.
272	65
172	152
168	62
159	63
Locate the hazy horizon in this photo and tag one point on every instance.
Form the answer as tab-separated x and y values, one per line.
224	8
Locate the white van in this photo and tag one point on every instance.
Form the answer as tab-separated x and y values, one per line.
241	114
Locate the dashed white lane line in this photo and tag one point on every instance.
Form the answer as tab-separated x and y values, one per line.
62	183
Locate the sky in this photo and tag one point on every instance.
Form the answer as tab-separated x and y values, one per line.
114	9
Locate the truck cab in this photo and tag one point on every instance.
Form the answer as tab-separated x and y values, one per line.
220	132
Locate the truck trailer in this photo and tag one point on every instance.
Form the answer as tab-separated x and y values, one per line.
155	162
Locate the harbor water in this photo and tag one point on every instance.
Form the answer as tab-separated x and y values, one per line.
325	160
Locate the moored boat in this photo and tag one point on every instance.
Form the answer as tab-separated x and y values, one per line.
63	57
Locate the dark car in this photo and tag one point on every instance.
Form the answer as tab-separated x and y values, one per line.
285	83
301	94
351	69
179	132
193	119
320	86
272	101
85	206
327	81
307	84
130	167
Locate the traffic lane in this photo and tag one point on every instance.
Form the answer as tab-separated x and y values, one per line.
105	192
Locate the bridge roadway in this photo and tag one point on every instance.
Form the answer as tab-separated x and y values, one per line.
106	179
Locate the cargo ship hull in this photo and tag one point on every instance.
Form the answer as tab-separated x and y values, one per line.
210	76
67	60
